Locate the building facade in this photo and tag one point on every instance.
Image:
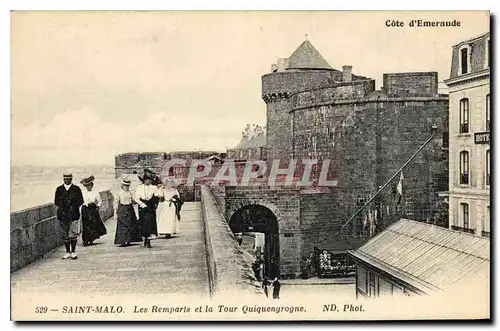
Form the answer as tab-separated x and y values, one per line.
469	147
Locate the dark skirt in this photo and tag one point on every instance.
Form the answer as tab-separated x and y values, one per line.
127	229
276	291
147	222
92	225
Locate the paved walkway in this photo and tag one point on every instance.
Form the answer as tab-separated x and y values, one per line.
176	265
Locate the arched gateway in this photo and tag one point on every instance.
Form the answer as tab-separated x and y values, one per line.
258	218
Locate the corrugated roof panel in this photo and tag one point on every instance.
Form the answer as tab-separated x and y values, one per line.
425	260
410	228
484	250
460	271
432	254
420	247
408	252
399	245
396	249
471	270
378	247
455	270
454	266
440	261
397	226
464	243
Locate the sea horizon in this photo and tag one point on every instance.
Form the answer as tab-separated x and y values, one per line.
33	186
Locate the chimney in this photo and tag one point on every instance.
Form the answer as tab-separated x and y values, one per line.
282	64
346	73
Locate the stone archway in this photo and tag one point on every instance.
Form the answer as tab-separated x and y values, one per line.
258	218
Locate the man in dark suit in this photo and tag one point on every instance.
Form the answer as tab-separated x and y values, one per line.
69	199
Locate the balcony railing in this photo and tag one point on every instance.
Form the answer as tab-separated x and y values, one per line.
464	128
467	230
464	178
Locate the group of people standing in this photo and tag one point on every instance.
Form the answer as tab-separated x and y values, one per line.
159	210
159	207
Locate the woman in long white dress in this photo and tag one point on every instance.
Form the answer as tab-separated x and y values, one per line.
168	222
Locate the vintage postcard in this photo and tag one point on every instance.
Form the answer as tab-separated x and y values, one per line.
262	165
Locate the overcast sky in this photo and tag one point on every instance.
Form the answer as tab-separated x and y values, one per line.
86	86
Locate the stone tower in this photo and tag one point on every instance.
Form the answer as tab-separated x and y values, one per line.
305	69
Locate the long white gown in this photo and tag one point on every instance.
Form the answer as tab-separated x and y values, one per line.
165	214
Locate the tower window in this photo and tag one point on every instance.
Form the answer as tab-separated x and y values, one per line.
464	115
464	167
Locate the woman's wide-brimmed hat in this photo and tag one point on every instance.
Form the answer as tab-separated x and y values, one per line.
157	181
148	174
88	180
126	181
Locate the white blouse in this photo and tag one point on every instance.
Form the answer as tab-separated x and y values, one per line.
123	197
91	197
145	192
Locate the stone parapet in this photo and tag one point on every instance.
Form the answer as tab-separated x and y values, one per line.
229	272
34	232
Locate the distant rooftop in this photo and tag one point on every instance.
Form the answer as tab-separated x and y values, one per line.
252	137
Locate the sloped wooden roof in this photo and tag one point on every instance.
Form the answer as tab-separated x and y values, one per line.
429	257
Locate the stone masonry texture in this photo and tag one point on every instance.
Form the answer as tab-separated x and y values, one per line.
368	135
34	232
228	269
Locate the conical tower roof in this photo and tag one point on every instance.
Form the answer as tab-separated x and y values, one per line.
307	57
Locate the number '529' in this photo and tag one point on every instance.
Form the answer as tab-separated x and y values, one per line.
41	310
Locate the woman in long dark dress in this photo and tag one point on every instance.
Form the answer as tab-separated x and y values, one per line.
146	195
127	230
92	225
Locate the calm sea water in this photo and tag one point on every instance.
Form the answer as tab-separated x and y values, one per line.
29	191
